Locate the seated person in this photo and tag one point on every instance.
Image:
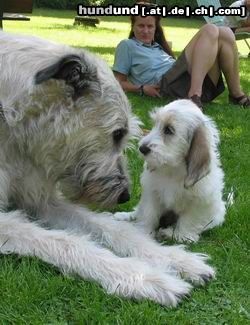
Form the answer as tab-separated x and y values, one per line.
237	23
144	63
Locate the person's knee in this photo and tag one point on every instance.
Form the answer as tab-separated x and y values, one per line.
211	31
227	34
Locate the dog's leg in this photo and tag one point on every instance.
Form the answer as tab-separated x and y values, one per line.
127	277
127	240
187	229
146	214
126	216
190	225
180	233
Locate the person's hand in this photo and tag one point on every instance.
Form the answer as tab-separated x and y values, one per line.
152	90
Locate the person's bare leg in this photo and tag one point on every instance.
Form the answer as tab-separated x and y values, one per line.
201	54
228	61
213	49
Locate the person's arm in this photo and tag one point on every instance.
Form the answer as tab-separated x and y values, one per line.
121	69
149	90
126	84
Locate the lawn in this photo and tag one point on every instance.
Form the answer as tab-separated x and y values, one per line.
34	292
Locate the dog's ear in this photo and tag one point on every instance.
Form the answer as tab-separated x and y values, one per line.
71	69
198	157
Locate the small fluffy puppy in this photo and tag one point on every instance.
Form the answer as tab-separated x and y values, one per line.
182	181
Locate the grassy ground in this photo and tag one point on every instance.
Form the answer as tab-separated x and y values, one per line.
33	292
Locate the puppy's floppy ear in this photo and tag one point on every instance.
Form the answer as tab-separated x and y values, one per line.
198	158
71	69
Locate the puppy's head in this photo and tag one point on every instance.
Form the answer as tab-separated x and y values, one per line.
181	141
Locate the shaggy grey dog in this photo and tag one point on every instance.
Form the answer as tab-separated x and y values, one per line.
63	127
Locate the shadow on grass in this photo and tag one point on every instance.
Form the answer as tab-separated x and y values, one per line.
76	28
58	27
99	50
53	13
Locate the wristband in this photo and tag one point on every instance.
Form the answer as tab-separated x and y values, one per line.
141	90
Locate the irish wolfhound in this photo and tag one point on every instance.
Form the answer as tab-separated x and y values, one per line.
64	124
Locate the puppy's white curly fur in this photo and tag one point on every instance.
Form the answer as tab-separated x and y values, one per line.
182	174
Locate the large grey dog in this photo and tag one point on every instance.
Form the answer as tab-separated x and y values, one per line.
64	124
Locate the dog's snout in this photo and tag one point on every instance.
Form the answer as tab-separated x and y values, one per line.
124	197
144	149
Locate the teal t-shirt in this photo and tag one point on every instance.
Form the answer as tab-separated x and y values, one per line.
142	63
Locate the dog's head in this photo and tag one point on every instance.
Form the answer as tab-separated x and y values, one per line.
182	141
74	123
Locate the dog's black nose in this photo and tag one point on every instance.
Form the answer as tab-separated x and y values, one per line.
144	149
124	197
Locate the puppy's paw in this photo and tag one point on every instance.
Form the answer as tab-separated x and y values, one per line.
165	233
174	234
124	216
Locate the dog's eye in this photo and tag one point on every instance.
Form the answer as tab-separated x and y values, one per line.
168	130
118	135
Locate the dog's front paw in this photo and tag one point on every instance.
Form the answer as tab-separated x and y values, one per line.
191	266
174	234
165	289
196	270
124	216
149	283
165	233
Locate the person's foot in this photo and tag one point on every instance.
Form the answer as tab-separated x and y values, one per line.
197	100
242	100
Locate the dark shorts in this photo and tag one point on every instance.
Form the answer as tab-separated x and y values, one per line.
176	82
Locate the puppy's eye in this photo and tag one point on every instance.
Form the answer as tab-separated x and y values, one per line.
168	130
118	135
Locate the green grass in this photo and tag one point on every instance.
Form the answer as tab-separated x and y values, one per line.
33	292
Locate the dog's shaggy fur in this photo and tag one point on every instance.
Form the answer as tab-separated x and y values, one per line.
182	179
64	124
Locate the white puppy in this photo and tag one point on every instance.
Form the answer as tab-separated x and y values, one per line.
182	179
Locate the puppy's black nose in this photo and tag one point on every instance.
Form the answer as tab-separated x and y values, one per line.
124	197
144	149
